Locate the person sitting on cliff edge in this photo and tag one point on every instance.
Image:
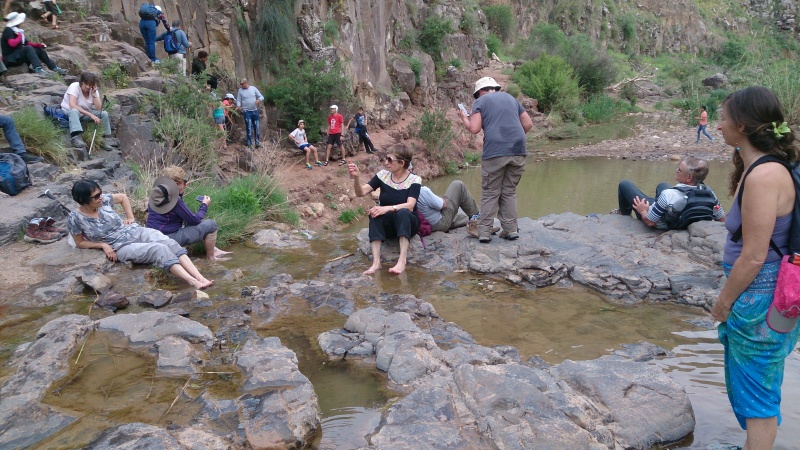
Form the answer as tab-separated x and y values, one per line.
663	211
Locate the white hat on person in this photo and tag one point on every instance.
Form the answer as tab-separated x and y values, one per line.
15	19
230	96
158	8
484	83
334	107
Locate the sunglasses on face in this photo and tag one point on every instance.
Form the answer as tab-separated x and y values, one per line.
392	160
98	195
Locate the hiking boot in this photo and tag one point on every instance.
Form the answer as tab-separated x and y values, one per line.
318	163
472	228
35	232
50	227
60	71
509	236
77	141
308	166
38	70
485	239
29	159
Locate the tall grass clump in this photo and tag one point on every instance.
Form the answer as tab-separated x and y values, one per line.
242	204
273	31
436	131
183	125
117	74
493	45
305	88
602	108
351	215
40	135
500	19
550	80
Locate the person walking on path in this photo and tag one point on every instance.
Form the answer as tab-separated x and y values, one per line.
51	12
361	130
759	226
504	123
17	50
443	212
15	142
335	121
148	24
182	43
247	101
701	128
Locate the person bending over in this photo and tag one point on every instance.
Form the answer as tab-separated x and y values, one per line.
95	224
394	215
663	211
167	213
442	213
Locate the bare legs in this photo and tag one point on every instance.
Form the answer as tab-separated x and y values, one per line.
212	252
328	152
401	261
187	271
398	268
761	433
376	258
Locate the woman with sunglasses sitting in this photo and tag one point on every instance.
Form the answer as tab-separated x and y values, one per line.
95	224
394	215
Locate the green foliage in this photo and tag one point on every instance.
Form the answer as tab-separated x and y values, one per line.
500	19
782	76
330	31
304	90
409	41
455	62
628	92
436	131
472	158
627	26
550	80
117	74
493	45
711	100
513	90
469	22
241	205
273	31
602	108
168	66
731	53
351	215
544	39
451	168
431	34
40	135
567	130
415	64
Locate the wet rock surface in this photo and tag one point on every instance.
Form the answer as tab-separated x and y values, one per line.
618	256
477	397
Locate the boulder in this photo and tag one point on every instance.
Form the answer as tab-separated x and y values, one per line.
278	240
716	81
149	327
155	299
135	436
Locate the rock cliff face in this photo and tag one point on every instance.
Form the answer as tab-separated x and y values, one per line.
369	33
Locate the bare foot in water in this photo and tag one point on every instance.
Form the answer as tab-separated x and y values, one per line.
218	252
372	270
218	259
398	268
205	283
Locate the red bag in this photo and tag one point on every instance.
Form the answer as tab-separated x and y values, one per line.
784	311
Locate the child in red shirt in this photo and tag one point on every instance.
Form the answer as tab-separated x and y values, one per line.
335	121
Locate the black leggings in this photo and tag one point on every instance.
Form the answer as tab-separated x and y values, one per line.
25	54
393	224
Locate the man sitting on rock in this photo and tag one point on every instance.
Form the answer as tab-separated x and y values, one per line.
664	211
441	213
82	103
10	130
167	213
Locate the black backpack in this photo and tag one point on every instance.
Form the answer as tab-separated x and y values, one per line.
700	204
14	175
794	231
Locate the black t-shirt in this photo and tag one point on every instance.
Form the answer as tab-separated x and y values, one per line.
395	193
8	33
198	66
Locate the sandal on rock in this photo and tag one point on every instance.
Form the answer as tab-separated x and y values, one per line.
55	27
342	162
325	163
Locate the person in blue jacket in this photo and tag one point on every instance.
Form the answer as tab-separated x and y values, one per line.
148	27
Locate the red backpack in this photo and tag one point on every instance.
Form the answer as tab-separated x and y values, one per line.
424	226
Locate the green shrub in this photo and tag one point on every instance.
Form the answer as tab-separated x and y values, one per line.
602	108
304	90
431	34
351	215
500	20
469	23
455	62
117	74
415	64
472	158
40	135
567	130
731	53
168	66
513	90
409	41
193	139
550	80
594	69
436	131
241	205
493	45
451	167
628	92
273	31
627	26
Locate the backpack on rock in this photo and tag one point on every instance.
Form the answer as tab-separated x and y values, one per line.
14	175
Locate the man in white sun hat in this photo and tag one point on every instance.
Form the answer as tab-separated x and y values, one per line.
504	123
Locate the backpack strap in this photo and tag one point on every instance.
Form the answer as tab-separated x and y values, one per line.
764	159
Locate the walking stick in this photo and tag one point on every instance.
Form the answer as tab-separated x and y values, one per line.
102	108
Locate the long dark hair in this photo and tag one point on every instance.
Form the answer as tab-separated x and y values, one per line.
756	108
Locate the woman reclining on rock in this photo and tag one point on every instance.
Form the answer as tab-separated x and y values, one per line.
95	224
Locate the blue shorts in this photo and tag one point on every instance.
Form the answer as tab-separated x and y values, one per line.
304	146
219	120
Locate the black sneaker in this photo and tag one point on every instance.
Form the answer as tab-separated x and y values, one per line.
30	159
